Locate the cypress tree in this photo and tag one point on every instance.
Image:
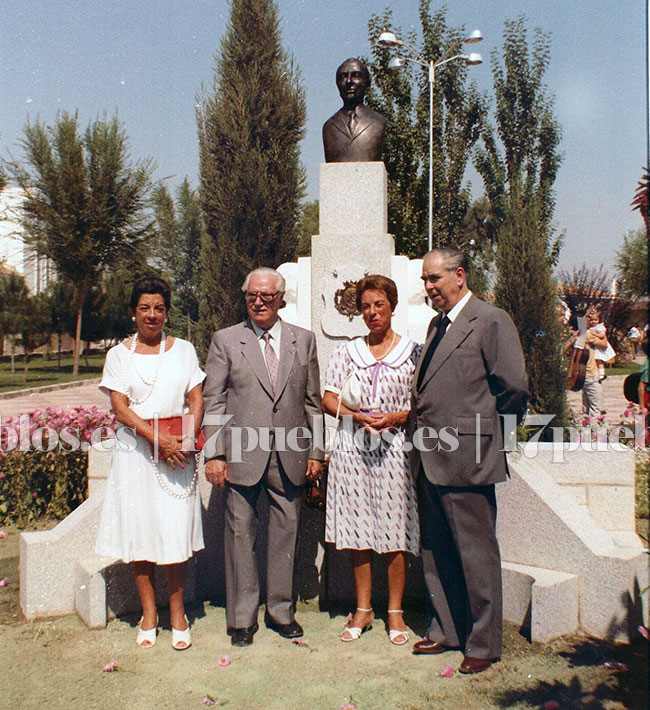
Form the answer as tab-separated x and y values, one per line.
252	182
518	170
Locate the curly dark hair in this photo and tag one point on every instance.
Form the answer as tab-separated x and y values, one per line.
151	284
377	282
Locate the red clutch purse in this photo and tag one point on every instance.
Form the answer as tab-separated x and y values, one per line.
174	427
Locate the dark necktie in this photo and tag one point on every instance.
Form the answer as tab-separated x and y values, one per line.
352	121
271	360
442	329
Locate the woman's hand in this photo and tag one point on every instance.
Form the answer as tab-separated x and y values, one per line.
170	450
381	422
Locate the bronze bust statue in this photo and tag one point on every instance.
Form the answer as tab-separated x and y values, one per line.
355	133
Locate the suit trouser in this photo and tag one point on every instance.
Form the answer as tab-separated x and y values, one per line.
242	578
462	566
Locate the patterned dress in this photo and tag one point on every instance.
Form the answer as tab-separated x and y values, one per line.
371	498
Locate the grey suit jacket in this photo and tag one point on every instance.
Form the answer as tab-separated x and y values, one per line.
363	145
237	384
478	369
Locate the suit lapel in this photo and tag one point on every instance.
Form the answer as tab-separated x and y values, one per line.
287	356
341	124
432	333
455	335
364	122
253	353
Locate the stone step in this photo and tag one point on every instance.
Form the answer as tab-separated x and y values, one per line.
544	602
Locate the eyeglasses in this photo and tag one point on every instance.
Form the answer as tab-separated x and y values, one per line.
252	296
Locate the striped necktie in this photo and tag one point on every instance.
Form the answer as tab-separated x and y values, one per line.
271	359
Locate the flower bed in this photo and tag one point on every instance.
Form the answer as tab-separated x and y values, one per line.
43	461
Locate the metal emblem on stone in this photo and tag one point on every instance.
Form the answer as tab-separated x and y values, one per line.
345	300
341	319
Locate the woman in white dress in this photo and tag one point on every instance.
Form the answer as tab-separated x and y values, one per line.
371	498
152	511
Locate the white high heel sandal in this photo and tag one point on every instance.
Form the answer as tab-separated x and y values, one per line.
394	634
146	638
356	631
181	639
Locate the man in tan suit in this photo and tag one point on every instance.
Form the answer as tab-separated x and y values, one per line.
263	375
471	371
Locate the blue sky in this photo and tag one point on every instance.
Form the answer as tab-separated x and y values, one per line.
148	58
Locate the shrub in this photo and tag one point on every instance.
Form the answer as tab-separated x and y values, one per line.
39	482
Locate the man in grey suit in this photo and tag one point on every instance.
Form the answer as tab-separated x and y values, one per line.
355	133
471	372
263	375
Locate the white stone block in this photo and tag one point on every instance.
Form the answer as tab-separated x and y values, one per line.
612	506
99	464
353	199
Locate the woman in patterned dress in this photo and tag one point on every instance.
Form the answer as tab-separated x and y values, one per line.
371	498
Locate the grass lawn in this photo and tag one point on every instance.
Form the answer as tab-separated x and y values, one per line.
42	372
623	369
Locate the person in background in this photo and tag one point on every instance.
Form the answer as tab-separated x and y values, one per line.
602	352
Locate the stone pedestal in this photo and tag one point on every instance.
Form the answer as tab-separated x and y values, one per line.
353	242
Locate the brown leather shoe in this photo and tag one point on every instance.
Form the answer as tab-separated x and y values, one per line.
474	665
427	647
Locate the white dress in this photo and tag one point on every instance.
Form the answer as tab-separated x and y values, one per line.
371	497
140	520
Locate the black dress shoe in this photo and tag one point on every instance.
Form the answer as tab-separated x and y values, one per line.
292	630
243	637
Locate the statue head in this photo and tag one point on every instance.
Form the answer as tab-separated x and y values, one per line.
352	81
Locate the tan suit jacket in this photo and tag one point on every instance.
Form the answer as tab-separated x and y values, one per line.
237	384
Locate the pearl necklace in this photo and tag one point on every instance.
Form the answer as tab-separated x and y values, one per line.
150	385
390	347
187	491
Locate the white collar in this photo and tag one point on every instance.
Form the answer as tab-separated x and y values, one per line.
275	330
453	313
360	353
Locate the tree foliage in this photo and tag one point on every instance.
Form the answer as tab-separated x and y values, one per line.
518	161
458	111
632	264
249	127
180	229
307	228
85	201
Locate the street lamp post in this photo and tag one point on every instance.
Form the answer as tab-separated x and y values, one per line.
388	39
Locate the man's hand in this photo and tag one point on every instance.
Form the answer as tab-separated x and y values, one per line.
314	469
216	471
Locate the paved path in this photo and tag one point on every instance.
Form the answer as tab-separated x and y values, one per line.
86	395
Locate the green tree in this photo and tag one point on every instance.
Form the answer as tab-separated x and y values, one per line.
180	229
457	114
34	326
13	295
85	201
518	163
632	264
251	178
307	228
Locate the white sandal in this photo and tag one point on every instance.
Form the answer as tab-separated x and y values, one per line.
181	639
146	638
394	634
356	631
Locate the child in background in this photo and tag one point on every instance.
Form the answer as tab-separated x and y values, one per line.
602	354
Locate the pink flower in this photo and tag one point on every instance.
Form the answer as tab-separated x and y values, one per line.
614	665
4	582
551	705
3	535
223	661
209	700
348	706
110	667
644	632
447	671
